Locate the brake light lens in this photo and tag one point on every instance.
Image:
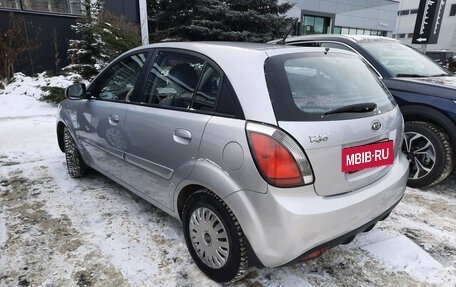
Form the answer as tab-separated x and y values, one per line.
278	157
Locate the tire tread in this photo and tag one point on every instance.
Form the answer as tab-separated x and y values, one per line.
75	164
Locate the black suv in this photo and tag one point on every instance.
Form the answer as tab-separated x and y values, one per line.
425	92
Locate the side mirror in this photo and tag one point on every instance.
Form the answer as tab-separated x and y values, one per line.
76	91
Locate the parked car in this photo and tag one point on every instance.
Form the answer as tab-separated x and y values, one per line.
267	154
441	57
425	92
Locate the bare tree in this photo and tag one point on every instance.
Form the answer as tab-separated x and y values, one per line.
14	43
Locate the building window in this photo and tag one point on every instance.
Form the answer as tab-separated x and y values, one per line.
50	6
403	12
315	25
11	4
355	31
453	10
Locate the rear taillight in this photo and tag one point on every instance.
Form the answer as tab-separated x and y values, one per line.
278	157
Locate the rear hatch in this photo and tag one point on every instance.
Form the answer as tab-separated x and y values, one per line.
340	113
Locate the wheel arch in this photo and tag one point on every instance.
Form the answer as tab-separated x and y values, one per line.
60	130
205	174
428	114
184	195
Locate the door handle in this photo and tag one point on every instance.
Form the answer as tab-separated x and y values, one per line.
114	119
182	136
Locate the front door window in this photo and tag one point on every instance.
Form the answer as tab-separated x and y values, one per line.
118	81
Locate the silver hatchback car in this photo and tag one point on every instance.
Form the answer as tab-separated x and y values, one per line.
267	154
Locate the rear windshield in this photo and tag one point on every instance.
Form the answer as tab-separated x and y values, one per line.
324	86
401	60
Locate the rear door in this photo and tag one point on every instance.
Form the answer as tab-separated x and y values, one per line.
101	118
165	128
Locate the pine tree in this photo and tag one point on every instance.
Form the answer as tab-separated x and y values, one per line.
208	22
232	20
85	51
167	18
102	36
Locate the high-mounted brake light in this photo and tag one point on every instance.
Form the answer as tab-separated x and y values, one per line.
278	157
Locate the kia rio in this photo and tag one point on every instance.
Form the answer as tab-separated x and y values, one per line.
267	154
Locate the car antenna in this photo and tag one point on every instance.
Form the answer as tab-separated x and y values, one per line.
282	42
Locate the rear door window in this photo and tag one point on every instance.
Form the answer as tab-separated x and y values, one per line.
172	80
208	89
318	86
182	80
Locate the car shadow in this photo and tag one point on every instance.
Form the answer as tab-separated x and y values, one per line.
446	187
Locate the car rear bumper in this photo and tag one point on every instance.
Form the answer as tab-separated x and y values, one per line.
285	224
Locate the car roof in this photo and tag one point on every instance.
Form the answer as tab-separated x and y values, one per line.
218	50
206	44
223	53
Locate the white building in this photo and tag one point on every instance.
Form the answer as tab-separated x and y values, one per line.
406	19
368	17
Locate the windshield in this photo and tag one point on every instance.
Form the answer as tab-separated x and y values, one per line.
319	86
401	60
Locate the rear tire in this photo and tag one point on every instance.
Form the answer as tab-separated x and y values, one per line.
214	237
75	163
430	153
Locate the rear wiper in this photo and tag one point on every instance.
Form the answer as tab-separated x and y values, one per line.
440	75
410	75
356	108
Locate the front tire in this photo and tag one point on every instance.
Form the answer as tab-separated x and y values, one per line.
214	237
75	163
430	153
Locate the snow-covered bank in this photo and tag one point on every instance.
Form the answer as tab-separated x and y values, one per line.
60	231
19	98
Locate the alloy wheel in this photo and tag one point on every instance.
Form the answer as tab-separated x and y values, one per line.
421	153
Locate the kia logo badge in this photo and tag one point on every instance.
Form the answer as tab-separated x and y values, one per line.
376	126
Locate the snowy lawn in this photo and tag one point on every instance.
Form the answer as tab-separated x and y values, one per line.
60	231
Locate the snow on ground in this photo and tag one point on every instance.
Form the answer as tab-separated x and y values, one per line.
29	91
60	231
